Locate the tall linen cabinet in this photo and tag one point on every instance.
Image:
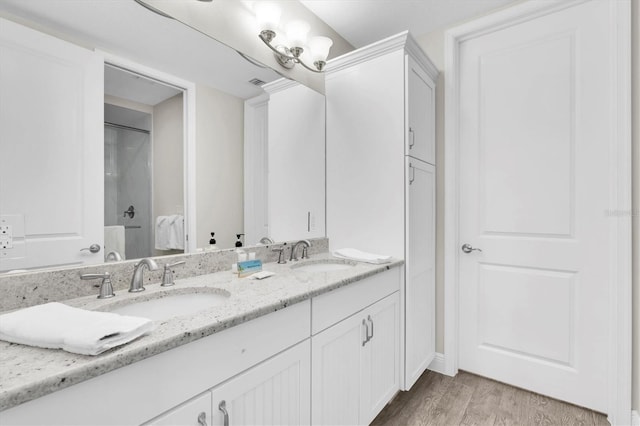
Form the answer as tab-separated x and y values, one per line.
381	175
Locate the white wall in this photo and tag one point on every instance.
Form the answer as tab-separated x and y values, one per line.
433	45
168	166
219	166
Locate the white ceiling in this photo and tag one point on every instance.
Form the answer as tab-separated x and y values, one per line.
124	28
362	22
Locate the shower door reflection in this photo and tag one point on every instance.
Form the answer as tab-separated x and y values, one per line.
127	181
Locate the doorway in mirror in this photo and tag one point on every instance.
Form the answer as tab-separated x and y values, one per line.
143	164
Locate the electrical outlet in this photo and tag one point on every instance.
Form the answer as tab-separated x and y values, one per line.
6	230
6	237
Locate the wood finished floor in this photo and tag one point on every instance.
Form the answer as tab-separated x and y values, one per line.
468	399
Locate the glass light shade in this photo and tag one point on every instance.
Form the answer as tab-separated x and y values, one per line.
267	15
297	33
319	47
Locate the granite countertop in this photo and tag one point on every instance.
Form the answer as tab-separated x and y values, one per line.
28	373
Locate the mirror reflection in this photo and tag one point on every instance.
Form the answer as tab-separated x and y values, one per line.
143	139
144	178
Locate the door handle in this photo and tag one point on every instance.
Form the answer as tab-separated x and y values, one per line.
468	248
93	248
223	407
131	212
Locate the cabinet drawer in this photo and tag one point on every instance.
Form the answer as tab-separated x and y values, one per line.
337	305
193	412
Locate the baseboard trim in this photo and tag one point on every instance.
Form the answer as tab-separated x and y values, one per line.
635	418
437	364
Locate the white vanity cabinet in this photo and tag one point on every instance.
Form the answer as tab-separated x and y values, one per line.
355	362
276	392
381	175
338	362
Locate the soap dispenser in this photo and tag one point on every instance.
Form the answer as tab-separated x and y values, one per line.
212	241
239	242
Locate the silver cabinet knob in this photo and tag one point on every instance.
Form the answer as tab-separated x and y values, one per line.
202	419
93	248
468	248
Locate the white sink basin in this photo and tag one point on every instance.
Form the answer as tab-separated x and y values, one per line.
324	265
173	305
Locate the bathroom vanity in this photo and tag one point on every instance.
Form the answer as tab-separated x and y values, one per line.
297	348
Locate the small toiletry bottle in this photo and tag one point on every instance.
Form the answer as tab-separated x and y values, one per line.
212	242
242	255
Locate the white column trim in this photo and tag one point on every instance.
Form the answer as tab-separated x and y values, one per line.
256	199
620	309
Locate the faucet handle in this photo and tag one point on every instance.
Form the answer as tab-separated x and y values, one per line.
106	287
280	251
167	276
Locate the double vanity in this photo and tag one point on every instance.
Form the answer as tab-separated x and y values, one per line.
318	343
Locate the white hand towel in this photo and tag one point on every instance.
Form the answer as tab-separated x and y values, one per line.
361	256
162	232
58	326
176	232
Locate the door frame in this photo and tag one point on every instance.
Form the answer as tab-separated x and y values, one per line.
620	184
188	137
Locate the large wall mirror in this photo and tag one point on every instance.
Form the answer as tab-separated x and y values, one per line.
162	87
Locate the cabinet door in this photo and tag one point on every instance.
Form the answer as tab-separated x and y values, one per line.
196	412
380	358
419	292
276	392
336	372
421	98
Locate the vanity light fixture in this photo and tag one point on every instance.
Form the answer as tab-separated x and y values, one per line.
268	17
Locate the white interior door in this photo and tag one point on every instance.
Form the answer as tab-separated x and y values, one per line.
535	125
51	149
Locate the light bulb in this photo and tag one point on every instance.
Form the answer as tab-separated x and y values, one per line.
319	48
267	15
297	33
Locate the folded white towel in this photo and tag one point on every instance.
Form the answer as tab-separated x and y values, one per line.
361	256
162	232
58	326
170	232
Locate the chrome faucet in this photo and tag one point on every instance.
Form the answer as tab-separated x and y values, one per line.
305	245
137	281
266	240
